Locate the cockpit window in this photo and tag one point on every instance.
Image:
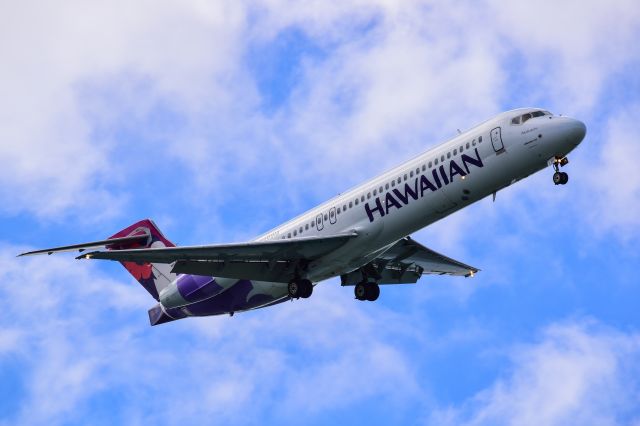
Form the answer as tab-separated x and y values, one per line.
523	118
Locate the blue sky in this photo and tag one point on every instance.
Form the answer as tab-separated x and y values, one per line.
220	120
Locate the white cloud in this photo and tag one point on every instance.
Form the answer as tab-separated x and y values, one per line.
569	49
577	373
611	194
52	160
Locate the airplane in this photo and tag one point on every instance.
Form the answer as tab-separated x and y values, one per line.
361	236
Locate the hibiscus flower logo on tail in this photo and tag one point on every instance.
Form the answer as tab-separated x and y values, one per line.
140	271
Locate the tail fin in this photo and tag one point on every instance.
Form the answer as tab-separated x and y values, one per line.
154	277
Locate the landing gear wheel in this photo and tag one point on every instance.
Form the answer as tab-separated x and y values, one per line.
307	288
300	288
367	291
557	178
294	289
373	292
560	178
565	178
361	291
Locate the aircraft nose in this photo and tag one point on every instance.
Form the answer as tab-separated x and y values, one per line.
576	131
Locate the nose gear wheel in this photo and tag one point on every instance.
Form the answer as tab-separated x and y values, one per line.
560	178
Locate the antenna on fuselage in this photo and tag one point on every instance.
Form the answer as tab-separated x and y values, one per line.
459	132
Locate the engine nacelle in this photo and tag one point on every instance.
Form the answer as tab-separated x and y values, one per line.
187	289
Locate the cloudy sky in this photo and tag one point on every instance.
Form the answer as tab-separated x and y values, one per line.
220	120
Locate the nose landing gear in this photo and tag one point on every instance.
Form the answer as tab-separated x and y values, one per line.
560	178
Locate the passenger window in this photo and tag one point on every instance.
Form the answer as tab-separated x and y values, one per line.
362	198
442	158
386	186
399	179
436	162
301	229
381	190
338	211
326	217
448	155
430	164
455	151
473	142
350	204
306	227
424	167
410	175
368	195
393	183
405	177
461	149
289	235
467	145
356	201
480	139
418	171
295	233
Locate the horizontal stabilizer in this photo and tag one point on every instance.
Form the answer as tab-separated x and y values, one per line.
111	243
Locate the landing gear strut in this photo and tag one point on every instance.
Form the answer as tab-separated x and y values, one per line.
298	288
367	291
560	178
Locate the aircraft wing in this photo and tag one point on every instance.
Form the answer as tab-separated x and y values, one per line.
412	253
406	261
273	261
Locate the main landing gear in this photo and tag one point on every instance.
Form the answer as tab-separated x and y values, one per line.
300	288
560	178
367	291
